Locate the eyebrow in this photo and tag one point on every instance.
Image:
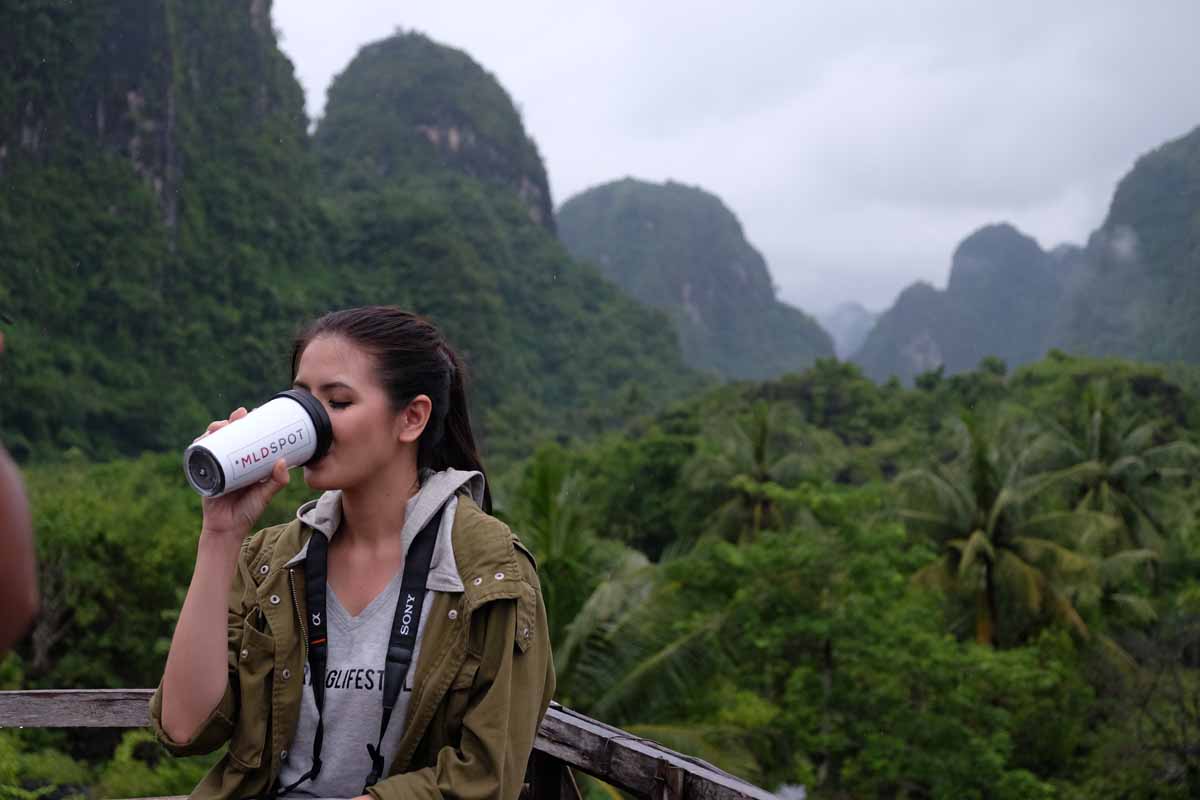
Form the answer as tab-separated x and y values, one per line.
325	387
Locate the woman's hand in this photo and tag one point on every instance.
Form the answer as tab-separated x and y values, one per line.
231	516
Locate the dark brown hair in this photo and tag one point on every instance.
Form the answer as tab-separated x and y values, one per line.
411	357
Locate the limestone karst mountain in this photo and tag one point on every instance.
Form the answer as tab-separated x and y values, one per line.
456	231
166	223
681	249
1000	301
407	105
1136	292
1132	291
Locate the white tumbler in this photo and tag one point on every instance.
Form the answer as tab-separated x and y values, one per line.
293	425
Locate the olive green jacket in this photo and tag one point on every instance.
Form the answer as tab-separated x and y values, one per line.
484	675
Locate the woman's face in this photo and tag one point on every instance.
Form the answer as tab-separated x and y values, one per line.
368	435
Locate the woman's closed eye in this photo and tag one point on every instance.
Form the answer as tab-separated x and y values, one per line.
338	403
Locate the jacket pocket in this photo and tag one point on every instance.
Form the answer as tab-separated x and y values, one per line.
458	697
256	663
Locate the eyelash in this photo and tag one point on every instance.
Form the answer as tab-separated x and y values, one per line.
333	404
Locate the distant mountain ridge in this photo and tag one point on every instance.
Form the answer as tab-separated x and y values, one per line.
999	301
680	249
1133	291
848	324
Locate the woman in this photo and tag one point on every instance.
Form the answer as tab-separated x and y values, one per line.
299	690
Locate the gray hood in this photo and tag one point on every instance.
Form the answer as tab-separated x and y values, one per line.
438	489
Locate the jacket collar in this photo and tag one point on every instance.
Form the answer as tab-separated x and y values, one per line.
438	490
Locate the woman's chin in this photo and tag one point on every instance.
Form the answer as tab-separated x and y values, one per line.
318	477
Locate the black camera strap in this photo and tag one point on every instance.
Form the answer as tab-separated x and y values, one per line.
401	642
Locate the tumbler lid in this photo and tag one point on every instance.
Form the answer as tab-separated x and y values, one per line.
320	419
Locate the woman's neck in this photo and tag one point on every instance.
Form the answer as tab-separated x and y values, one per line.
373	513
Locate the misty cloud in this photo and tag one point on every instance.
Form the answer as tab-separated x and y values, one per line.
1123	244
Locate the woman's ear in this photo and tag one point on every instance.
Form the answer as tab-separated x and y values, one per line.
411	422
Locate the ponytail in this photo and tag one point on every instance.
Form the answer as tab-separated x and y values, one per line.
412	358
452	444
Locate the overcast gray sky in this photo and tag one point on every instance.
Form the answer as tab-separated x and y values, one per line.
857	142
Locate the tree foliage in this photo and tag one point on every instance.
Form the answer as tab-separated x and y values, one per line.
734	576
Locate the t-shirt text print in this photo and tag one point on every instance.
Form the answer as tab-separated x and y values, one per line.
353	699
357	678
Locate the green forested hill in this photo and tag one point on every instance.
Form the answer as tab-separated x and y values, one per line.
921	331
456	223
407	106
155	232
680	249
1139	291
1000	301
165	227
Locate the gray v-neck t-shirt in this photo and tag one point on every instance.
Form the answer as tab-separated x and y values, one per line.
353	699
357	650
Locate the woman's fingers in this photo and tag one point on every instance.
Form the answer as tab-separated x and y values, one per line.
216	425
212	428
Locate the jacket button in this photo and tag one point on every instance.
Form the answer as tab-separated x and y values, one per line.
264	569
499	576
287	673
274	599
525	632
477	581
453	614
283	756
245	654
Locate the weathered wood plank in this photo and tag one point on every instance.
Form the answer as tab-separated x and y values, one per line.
90	708
639	766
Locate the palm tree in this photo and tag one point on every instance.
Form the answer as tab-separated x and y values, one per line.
547	515
1111	592
622	659
740	459
996	541
1131	468
605	602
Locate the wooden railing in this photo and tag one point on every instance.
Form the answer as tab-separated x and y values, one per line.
565	741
